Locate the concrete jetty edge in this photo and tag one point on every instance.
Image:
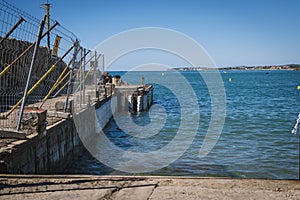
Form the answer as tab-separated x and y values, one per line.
143	187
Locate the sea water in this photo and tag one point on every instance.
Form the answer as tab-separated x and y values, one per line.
255	141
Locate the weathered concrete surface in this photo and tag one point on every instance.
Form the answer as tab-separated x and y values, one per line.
138	187
41	153
50	151
12	134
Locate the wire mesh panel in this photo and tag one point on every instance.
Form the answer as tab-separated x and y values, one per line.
85	88
50	74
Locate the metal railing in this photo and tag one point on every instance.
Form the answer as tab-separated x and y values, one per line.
31	74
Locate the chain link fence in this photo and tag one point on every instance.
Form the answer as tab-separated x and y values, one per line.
58	65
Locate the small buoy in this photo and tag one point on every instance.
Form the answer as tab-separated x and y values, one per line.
298	87
230	79
225	72
162	74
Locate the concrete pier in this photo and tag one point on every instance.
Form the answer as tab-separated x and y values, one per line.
49	139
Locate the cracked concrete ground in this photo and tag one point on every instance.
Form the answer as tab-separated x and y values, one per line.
139	187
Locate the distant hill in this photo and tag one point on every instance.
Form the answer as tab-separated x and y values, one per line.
271	67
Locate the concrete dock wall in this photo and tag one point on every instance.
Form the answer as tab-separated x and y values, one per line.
50	152
43	153
105	111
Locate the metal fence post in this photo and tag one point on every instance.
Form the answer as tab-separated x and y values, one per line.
95	76
83	76
30	72
80	79
70	76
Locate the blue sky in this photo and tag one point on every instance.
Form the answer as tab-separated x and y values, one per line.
233	32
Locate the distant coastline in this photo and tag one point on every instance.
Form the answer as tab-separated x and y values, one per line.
270	67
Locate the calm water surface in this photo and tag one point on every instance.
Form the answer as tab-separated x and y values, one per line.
256	141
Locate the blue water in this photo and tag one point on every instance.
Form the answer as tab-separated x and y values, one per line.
255	142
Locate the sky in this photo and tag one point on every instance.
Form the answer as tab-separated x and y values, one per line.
233	32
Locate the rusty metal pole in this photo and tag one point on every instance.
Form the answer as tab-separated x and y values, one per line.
12	30
47	5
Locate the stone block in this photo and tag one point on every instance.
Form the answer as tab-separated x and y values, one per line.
12	134
58	114
34	119
59	105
